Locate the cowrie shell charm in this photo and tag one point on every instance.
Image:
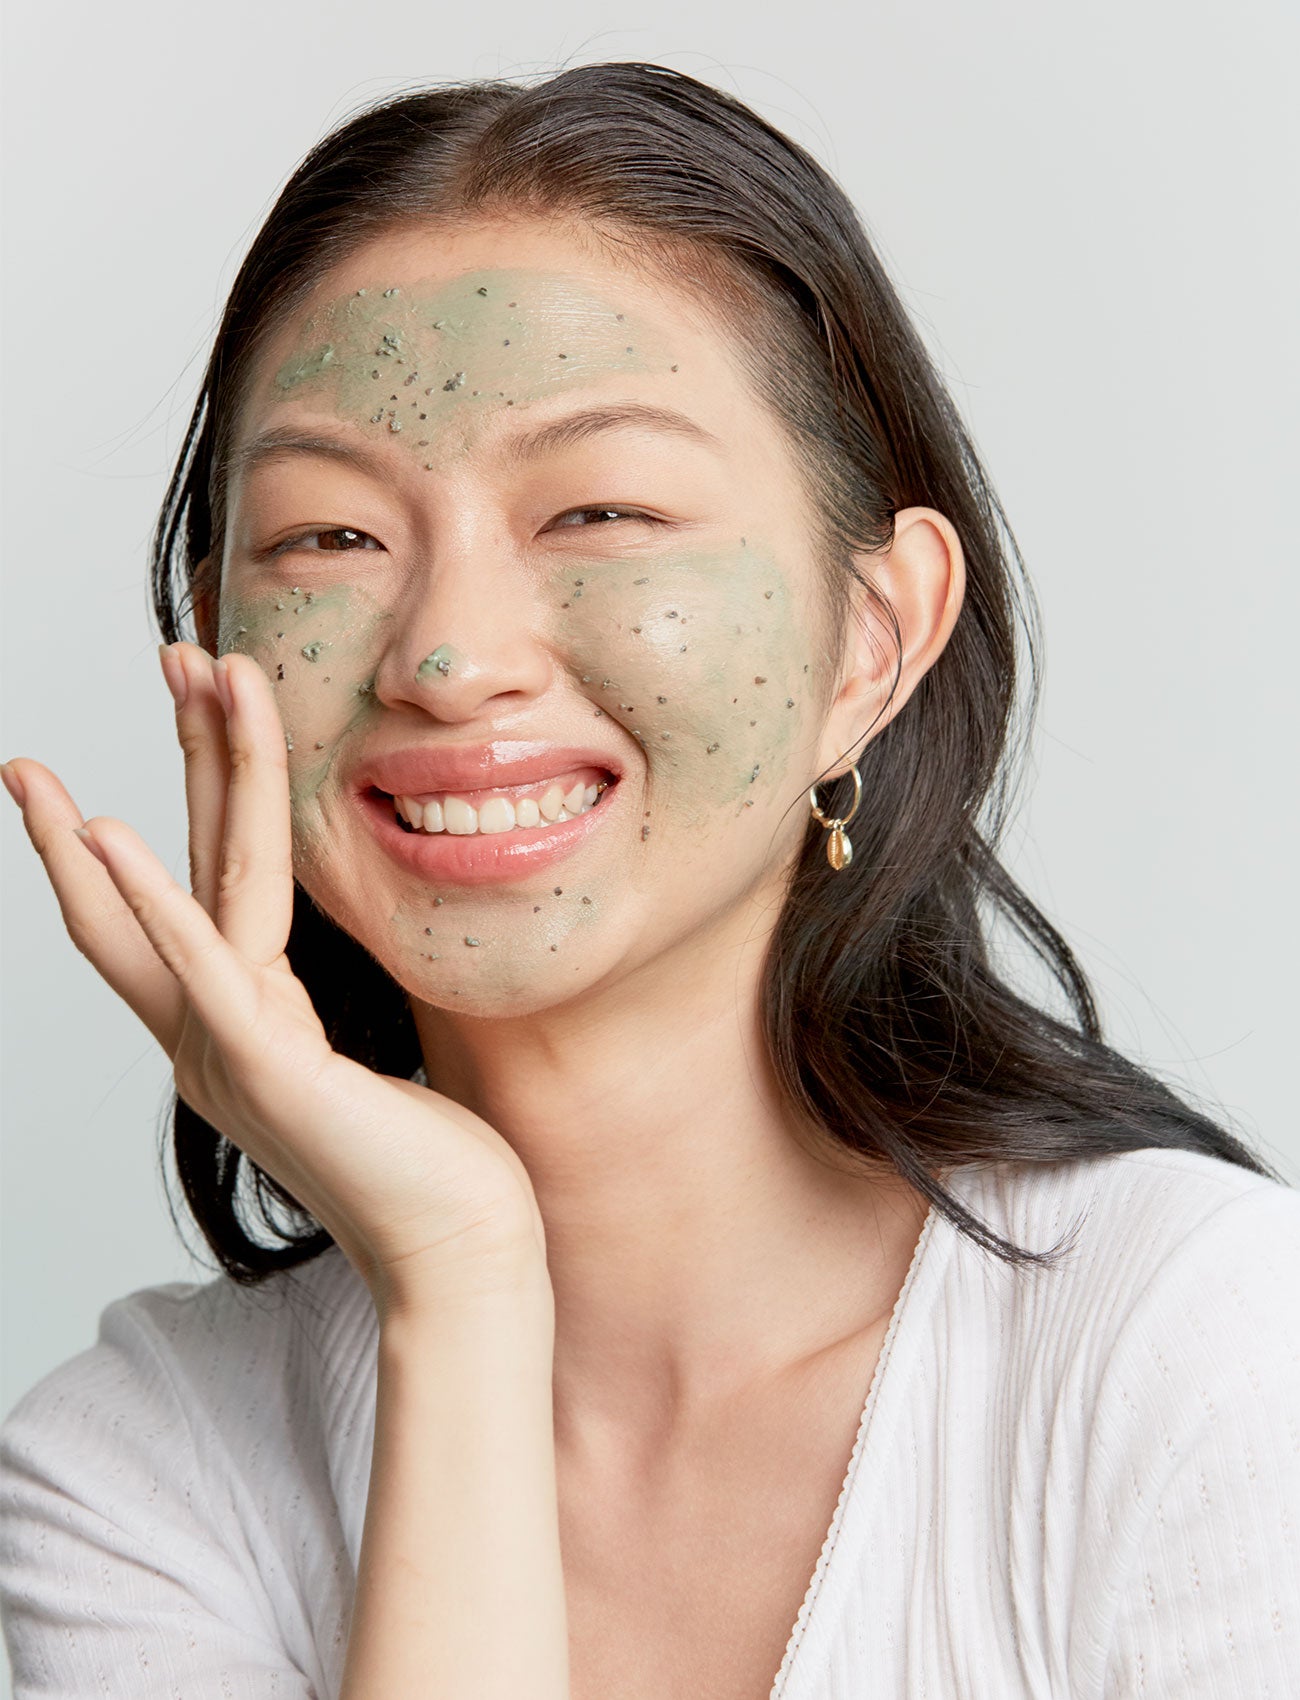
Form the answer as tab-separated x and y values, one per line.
839	851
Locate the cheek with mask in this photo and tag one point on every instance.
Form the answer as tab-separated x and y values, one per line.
319	646
702	658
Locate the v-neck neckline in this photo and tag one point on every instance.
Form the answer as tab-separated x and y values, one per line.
914	1300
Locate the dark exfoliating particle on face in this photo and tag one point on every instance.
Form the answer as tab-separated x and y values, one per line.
645	833
279	669
759	679
559	891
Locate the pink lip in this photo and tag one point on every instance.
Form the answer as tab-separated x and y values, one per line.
420	769
482	858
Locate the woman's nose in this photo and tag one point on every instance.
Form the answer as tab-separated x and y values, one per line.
467	633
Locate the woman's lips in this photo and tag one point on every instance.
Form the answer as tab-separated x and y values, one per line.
481	858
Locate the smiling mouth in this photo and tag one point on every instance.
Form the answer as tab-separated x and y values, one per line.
504	811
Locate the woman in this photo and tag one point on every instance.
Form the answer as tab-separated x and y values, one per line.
595	1074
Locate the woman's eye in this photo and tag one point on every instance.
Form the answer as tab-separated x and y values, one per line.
600	516
341	540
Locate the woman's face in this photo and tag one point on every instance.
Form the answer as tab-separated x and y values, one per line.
493	496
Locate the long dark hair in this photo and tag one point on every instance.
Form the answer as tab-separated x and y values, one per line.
890	1026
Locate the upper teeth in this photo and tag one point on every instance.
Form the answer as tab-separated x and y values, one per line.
498	814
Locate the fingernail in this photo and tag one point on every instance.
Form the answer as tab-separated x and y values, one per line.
90	844
174	672
13	785
221	678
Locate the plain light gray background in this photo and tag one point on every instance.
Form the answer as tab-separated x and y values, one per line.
1090	212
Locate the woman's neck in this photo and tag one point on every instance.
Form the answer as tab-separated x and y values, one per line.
695	1246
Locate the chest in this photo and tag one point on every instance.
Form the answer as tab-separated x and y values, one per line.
687	1580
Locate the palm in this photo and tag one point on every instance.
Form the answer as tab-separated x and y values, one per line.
408	1182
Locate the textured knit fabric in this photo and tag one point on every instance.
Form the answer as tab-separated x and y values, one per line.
1080	1483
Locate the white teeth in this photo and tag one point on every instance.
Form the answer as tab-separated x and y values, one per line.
551	801
460	816
496	815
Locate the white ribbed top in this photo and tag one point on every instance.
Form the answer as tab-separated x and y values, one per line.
1080	1483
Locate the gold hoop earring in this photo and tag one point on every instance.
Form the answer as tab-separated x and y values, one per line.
839	851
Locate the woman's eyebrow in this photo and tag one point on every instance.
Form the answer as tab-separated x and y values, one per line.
285	441
279	441
575	427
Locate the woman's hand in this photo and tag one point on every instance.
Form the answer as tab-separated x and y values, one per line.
423	1197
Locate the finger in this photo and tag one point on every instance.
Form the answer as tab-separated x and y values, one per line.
213	979
99	921
201	732
255	886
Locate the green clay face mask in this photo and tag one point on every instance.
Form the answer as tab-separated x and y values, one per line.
691	652
424	364
691	664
